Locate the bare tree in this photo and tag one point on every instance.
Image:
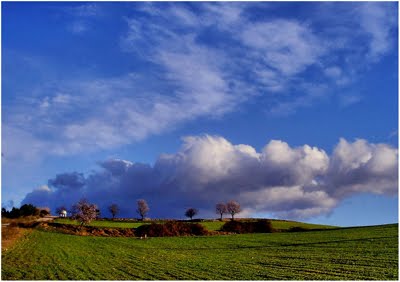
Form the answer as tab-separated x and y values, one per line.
233	208
114	210
84	212
98	213
220	208
191	212
143	208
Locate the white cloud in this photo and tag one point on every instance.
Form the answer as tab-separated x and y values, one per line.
284	45
116	166
187	77
225	16
200	82
86	10
363	167
379	22
82	17
78	27
346	100
271	80
284	165
45	104
204	63
61	98
313	93
290	202
333	72
288	182
185	16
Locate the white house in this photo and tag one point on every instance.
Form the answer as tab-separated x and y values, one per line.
63	213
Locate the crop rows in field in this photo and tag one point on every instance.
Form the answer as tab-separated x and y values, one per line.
369	253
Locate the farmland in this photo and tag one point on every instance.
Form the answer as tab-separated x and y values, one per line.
339	254
103	223
209	224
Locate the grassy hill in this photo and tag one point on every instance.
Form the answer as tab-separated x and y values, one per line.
362	253
209	224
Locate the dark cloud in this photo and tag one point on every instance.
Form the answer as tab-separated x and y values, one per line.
289	182
72	181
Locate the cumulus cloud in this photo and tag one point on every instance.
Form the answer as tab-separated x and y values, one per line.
289	182
290	201
116	166
363	167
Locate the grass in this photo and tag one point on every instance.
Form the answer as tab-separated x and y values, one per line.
103	223
368	253
210	225
285	225
10	235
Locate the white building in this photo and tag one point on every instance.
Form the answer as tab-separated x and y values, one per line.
63	213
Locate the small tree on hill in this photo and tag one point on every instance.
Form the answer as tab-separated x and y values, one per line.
233	208
191	212
15	213
84	212
114	210
143	208
4	213
28	209
220	208
44	211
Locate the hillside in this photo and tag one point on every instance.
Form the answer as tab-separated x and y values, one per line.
362	253
211	225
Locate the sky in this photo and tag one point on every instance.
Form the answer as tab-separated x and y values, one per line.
289	108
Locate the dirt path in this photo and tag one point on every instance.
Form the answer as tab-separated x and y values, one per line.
47	218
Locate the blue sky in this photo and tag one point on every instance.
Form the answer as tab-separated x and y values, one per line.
289	108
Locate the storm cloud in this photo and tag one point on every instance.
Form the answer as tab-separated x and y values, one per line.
289	182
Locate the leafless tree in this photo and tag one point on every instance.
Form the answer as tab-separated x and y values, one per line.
143	208
220	208
84	212
233	208
114	210
191	212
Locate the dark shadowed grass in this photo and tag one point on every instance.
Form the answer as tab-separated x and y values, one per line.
368	253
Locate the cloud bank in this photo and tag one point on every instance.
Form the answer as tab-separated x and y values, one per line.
288	182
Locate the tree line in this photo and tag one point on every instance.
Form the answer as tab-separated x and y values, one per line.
84	211
25	210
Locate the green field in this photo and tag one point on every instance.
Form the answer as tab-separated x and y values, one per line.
103	223
365	253
210	225
277	224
